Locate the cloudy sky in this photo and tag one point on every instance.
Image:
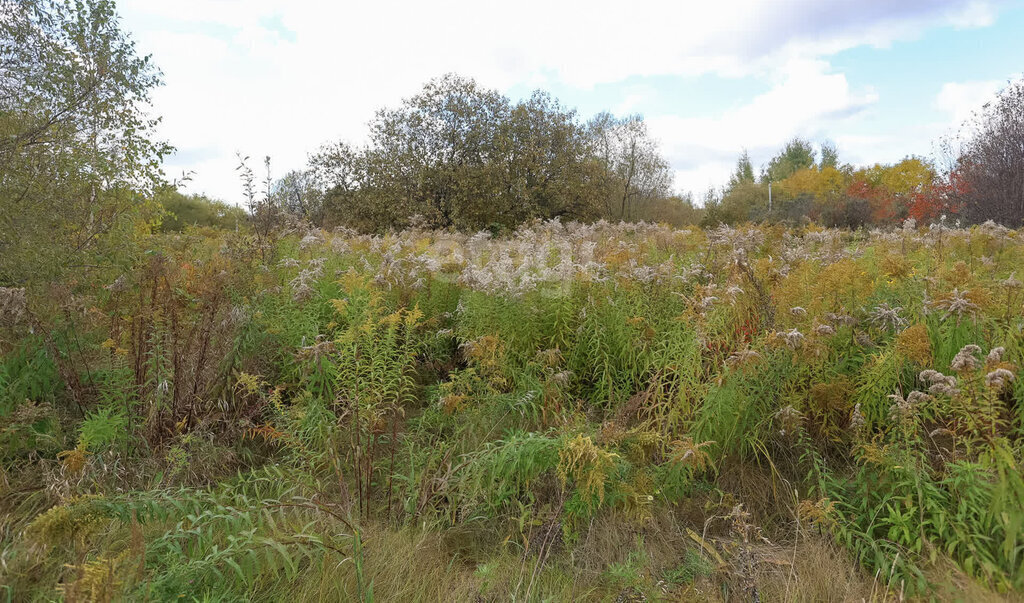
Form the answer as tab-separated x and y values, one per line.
881	78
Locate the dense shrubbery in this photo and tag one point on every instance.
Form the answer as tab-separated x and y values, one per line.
235	423
78	162
182	211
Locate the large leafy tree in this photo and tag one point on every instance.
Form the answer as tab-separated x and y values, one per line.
433	154
745	201
634	173
798	154
989	170
829	155
295	193
744	172
462	156
548	169
77	156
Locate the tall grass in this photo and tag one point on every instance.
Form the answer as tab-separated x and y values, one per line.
572	411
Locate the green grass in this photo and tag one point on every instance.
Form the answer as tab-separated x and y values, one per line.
646	425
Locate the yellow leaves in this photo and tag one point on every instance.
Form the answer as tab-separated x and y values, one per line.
267	432
340	306
914	344
248	384
825	184
277	399
797	288
353	281
402	316
907	176
97	580
896	266
486	350
829	405
830	182
767	269
110	344
982	298
844	279
874	454
422	244
817	513
391	320
74	459
453	403
618	256
959	275
586	464
455	393
77	517
412	317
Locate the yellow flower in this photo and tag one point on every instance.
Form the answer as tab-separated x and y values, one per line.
413	316
74	459
391	319
340	306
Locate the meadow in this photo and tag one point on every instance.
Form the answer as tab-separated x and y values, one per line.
567	412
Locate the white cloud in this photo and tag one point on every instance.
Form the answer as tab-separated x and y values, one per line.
277	78
974	14
706	175
633	100
805	103
961	99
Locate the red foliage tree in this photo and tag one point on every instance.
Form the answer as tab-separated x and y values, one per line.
942	198
885	207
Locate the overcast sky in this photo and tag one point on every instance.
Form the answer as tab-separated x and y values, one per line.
881	78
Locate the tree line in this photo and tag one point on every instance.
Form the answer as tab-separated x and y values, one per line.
461	156
983	180
81	176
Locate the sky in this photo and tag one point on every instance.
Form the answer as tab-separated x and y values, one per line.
882	79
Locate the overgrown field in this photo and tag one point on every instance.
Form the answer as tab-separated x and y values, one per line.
570	412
